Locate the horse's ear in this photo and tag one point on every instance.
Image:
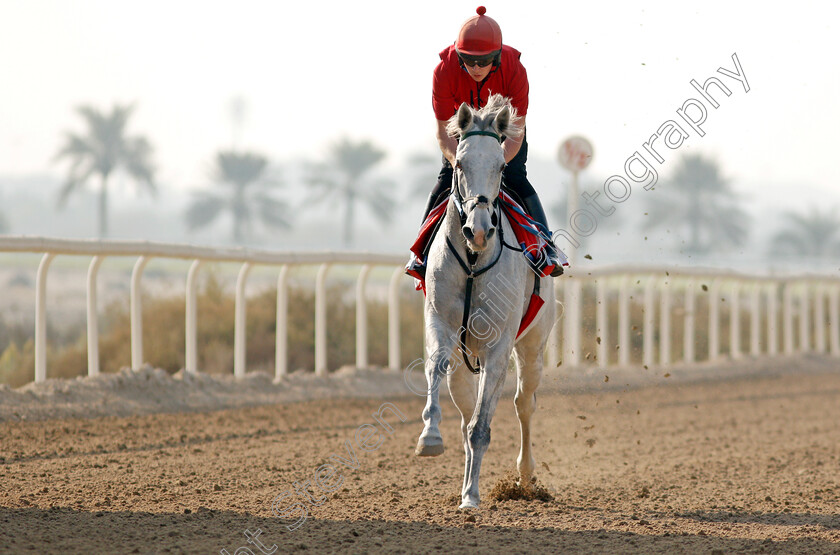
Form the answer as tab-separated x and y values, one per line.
465	117
502	121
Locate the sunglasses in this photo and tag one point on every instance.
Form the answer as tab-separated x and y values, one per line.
480	61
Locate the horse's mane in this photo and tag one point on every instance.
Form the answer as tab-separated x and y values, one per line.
484	117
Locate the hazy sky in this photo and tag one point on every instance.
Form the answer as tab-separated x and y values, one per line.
313	71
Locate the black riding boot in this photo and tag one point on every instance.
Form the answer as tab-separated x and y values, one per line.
534	207
415	266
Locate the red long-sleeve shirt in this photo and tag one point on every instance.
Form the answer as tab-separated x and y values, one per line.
452	85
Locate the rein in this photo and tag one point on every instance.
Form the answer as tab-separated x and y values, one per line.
471	275
468	267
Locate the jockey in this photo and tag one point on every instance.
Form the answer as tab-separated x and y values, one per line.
477	65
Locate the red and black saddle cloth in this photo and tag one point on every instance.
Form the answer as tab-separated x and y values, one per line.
530	238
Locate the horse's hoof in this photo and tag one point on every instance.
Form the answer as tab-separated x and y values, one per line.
468	504
426	449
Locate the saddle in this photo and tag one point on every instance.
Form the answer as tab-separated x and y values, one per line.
531	239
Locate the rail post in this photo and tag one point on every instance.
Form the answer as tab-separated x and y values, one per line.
321	320
665	323
240	337
804	323
137	313
648	323
735	322
787	317
714	320
571	323
819	318
361	318
688	319
41	317
772	319
755	319
281	337
93	317
601	322
624	321
190	324
834	320
394	319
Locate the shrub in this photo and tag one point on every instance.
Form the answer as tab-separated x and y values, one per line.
164	331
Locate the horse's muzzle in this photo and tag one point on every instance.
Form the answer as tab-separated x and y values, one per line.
477	240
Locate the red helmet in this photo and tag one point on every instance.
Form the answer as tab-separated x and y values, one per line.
479	35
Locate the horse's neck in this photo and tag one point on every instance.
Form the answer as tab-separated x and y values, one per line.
452	222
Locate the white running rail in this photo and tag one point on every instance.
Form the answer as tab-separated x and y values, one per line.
813	301
809	320
145	251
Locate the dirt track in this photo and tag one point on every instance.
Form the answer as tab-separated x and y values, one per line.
744	466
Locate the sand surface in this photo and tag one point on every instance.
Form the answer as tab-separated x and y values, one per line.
739	458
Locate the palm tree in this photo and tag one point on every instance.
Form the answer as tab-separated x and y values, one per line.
4	223
249	196
102	151
812	234
424	168
341	177
559	216
699	199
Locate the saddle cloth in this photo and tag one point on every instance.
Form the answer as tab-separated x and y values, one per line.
530	237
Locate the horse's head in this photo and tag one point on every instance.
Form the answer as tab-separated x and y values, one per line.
479	163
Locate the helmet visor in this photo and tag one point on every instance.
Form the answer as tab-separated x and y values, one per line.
480	61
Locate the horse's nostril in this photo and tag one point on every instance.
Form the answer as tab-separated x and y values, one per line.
467	232
491	232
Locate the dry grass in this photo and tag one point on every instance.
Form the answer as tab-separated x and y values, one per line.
164	331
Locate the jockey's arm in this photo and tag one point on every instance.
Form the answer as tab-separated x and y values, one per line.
512	145
448	145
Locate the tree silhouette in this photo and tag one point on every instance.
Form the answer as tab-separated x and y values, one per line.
699	200
424	168
340	180
812	234
559	217
249	196
103	150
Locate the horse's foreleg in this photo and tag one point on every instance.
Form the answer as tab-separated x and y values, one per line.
462	389
430	443
529	371
478	430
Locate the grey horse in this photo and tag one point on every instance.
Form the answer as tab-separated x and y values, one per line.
477	291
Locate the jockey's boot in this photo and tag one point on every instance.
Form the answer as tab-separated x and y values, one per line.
535	210
417	268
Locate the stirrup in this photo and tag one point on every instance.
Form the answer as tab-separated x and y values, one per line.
551	254
415	268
